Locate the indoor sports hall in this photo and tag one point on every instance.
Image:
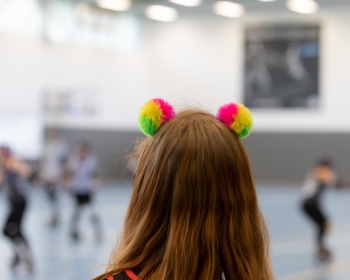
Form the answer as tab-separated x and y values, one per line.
75	74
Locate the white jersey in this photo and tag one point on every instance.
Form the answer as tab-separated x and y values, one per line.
310	187
314	187
55	153
83	180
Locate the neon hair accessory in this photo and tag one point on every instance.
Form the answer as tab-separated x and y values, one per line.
153	114
237	117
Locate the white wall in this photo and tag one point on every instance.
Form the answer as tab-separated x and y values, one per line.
196	60
201	59
29	67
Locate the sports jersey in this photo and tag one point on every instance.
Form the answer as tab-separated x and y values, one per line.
125	275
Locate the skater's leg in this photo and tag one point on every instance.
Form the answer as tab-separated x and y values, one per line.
76	217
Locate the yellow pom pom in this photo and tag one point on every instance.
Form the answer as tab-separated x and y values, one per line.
152	111
242	121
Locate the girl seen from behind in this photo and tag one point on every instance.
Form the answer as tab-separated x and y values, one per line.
193	213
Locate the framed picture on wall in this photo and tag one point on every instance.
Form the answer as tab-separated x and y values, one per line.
281	67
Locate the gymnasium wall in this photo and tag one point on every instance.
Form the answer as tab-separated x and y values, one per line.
275	157
196	60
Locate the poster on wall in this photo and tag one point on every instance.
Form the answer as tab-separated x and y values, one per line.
282	66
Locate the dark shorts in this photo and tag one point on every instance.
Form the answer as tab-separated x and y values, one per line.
83	199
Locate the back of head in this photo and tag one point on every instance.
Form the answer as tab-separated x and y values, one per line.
193	213
325	162
5	151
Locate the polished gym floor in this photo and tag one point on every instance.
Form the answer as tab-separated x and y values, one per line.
57	257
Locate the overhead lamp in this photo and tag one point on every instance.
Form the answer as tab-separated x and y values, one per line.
187	3
228	9
302	6
267	0
114	5
161	13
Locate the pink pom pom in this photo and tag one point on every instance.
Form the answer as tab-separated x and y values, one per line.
227	113
166	108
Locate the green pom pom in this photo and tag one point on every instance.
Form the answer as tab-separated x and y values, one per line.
147	126
245	132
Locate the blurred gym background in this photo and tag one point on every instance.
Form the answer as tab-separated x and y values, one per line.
85	67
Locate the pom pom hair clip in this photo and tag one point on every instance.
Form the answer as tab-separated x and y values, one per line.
157	111
153	114
237	117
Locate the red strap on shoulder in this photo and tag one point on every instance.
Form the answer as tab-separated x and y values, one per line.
131	275
110	277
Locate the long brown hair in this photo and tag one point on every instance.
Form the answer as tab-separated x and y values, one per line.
193	213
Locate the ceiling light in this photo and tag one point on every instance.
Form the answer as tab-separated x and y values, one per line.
187	3
267	0
302	6
161	13
228	9
114	5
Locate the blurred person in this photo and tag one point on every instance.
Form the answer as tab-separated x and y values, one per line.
321	176
13	175
193	213
52	170
83	168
